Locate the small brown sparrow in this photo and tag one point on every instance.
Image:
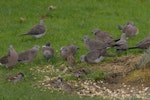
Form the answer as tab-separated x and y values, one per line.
56	83
15	78
67	87
79	73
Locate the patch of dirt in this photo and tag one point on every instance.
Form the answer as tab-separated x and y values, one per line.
122	65
119	84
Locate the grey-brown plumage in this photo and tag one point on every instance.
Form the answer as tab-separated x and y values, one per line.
94	56
10	59
79	73
15	78
73	48
70	60
47	51
104	37
28	55
121	45
37	31
67	87
65	51
56	83
93	44
144	44
129	29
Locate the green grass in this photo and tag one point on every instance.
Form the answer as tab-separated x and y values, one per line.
72	20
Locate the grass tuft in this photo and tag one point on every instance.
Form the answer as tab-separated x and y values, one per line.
145	60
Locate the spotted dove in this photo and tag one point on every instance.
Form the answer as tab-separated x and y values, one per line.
37	31
28	55
10	59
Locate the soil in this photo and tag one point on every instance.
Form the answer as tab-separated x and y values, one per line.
123	81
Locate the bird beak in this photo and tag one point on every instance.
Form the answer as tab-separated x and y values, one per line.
43	46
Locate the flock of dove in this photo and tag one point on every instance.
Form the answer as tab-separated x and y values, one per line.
97	48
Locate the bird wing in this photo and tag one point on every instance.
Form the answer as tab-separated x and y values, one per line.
144	43
24	56
121	42
95	54
37	29
4	60
97	44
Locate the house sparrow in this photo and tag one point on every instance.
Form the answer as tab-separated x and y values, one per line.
56	83
67	87
79	73
15	78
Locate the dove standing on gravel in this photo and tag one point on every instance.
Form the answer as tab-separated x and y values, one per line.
47	51
28	55
93	44
129	29
144	44
10	59
94	56
104	36
15	78
37	31
121	45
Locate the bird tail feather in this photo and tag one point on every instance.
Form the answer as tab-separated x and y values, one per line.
23	34
120	27
116	40
135	47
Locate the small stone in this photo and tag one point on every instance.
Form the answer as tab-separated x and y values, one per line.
146	89
51	7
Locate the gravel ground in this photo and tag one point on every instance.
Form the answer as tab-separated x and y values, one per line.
91	88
